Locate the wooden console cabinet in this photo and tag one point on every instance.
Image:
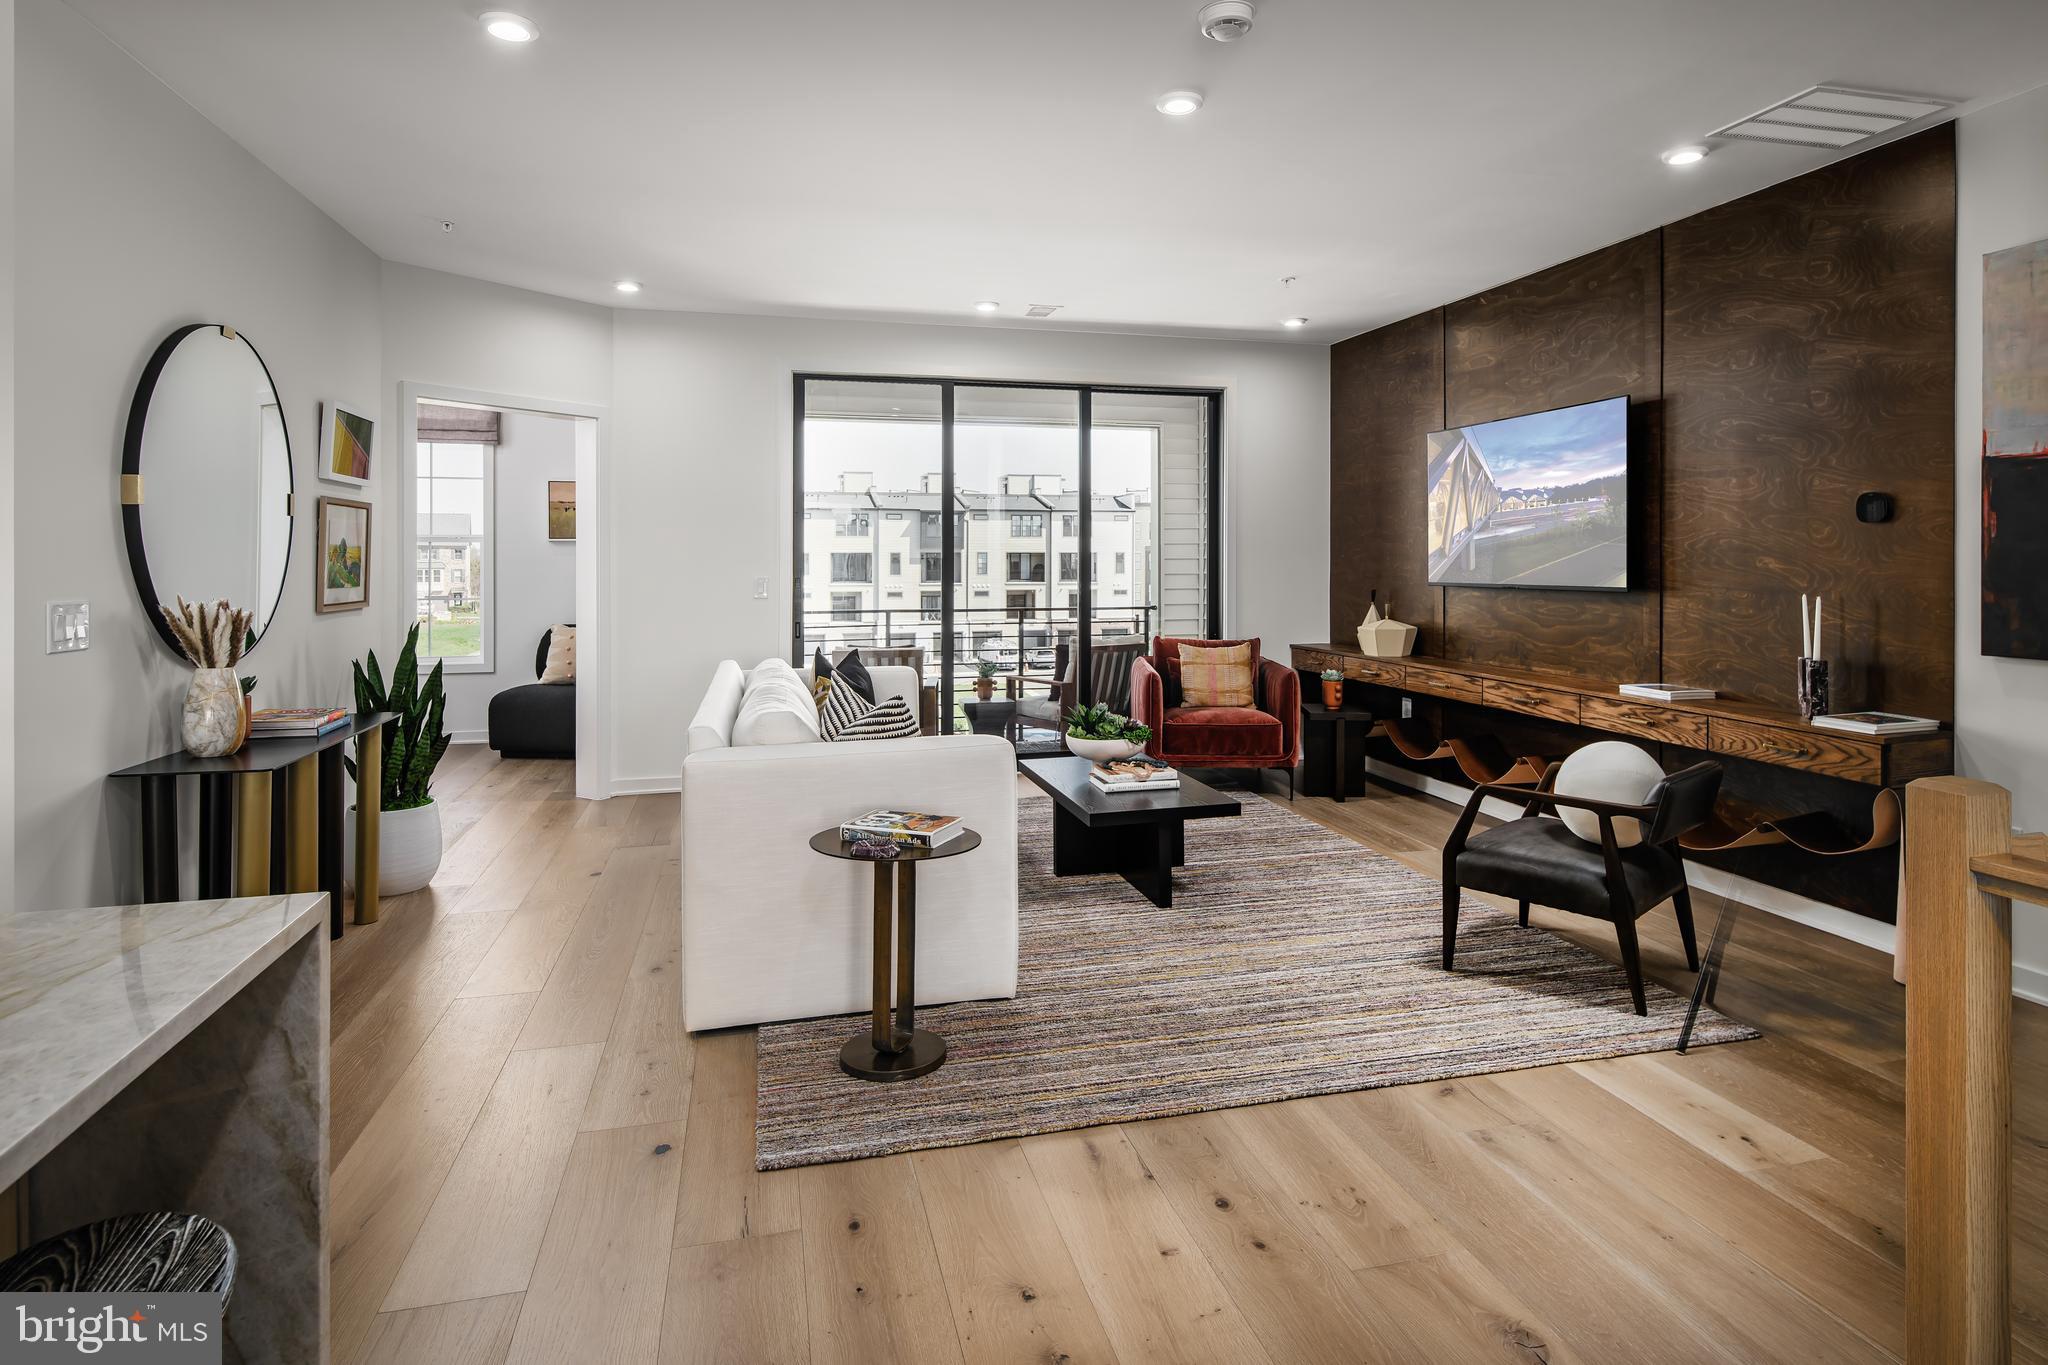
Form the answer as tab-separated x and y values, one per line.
1760	734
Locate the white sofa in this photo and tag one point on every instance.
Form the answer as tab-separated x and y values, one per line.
772	930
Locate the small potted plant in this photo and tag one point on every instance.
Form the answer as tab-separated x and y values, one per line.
985	679
1101	735
1333	688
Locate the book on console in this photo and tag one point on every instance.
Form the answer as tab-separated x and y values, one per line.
904	827
1667	692
1877	723
296	722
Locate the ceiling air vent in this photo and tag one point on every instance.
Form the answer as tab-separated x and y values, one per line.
1832	116
1042	310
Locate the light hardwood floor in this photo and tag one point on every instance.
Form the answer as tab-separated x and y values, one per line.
533	1162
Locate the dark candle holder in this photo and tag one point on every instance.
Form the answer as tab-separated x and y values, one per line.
1813	687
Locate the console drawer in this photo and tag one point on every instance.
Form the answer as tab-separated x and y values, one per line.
1456	686
1645	720
1814	750
1374	671
1316	660
1547	702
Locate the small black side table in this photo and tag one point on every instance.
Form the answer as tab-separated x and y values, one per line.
897	1053
1339	722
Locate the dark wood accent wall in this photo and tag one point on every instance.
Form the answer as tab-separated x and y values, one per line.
1783	353
1809	355
1386	394
1581	331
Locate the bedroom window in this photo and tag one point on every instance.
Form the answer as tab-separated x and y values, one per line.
453	540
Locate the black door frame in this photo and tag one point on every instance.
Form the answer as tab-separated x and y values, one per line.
1084	635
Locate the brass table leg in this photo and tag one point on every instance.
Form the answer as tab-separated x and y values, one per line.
886	1053
369	795
252	834
302	830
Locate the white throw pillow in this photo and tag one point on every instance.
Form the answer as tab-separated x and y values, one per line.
561	664
1607	771
776	709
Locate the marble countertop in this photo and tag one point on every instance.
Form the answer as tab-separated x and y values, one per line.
90	998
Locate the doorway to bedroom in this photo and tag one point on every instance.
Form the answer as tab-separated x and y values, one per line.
499	529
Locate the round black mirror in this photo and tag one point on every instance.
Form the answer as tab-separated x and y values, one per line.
206	478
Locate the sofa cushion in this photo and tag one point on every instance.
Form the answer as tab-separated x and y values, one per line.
1166	660
1537	859
1221	732
711	727
777	708
560	667
535	720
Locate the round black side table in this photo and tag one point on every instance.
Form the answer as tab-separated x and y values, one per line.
900	1051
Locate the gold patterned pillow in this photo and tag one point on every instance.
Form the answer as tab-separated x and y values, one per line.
1216	676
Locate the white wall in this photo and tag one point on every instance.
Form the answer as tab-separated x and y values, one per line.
700	490
532	580
2001	704
6	450
140	216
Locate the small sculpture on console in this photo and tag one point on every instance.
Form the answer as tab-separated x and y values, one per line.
1381	636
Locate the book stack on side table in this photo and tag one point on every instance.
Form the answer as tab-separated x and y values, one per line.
296	722
1667	692
909	827
1133	775
1877	723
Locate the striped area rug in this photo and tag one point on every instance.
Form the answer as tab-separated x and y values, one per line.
1293	962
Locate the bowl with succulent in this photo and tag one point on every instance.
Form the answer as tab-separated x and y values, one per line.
1097	733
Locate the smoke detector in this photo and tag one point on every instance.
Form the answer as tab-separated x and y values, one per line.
1225	20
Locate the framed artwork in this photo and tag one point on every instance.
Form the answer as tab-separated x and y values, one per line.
2015	473
342	580
345	445
561	509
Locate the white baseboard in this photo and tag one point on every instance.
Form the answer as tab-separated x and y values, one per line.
2029	983
469	736
645	786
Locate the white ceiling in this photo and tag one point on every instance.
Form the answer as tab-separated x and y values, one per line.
901	159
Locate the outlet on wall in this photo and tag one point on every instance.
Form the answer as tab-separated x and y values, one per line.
70	627
1407	708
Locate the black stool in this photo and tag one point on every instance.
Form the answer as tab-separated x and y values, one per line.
163	1253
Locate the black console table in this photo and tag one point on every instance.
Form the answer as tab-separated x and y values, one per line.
251	843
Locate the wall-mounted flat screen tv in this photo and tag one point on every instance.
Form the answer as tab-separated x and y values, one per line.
1538	501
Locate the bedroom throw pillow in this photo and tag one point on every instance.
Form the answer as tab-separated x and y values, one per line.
846	715
1216	677
561	665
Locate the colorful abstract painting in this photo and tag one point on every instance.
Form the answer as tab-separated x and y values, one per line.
345	446
2015	578
561	509
342	582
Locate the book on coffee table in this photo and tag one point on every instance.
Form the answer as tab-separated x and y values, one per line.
1133	775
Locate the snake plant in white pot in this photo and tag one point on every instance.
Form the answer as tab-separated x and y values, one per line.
409	844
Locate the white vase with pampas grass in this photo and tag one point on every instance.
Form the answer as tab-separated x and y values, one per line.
212	636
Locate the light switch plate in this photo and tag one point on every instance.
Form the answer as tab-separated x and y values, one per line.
761	588
70	627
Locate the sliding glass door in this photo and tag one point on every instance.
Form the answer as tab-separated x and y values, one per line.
995	532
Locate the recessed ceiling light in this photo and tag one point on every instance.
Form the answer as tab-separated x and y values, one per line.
1685	156
1179	103
1295	322
626	286
987	306
509	27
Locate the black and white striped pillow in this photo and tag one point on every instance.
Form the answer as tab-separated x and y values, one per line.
848	715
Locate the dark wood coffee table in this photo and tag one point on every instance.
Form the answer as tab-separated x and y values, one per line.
1141	836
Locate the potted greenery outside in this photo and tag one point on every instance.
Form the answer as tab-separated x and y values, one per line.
1333	688
409	843
984	679
1101	735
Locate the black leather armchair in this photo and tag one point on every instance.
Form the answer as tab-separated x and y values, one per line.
1537	859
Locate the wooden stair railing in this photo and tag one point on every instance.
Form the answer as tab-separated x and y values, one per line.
1964	868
